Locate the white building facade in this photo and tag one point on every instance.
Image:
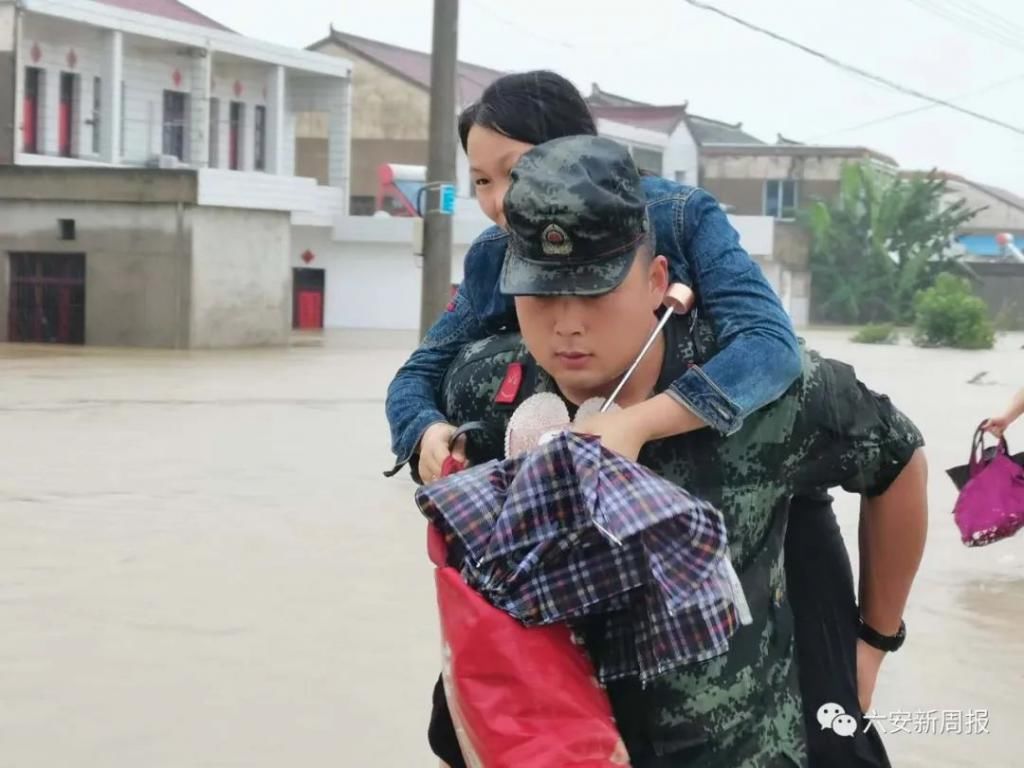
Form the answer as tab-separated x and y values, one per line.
114	90
99	84
672	155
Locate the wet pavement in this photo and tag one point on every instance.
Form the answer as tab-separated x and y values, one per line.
201	564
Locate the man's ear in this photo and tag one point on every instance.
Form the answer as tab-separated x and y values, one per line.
658	280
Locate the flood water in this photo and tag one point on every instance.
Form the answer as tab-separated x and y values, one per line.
201	564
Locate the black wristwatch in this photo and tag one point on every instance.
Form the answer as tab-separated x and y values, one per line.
874	638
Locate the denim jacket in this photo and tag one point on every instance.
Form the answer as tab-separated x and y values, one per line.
758	355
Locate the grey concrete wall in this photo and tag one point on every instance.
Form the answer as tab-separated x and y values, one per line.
8	81
719	163
241	278
746	196
792	245
5	284
385	106
136	260
812	191
311	157
98	185
1001	285
368	154
7	108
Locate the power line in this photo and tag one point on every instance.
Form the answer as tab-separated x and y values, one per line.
855	70
916	110
970	23
523	28
1001	23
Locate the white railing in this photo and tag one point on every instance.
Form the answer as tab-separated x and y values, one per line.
58	161
327	205
309	203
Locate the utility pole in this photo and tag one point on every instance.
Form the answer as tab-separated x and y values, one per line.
437	218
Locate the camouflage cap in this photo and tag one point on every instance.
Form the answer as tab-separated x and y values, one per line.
576	215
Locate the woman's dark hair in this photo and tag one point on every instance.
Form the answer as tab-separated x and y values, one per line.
532	107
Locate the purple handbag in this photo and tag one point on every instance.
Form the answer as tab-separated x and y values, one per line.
991	504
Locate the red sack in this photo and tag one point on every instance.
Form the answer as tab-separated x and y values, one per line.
519	697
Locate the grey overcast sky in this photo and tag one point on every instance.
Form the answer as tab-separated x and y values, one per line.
666	52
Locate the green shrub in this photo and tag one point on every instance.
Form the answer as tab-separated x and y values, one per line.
877	333
949	315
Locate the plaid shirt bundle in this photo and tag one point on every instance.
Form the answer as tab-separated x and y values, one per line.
572	532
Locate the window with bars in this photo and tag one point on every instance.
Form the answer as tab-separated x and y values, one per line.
236	124
259	124
30	117
175	123
780	198
97	112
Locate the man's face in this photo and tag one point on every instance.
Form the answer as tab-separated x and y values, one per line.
587	343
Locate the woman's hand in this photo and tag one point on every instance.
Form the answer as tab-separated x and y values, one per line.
619	431
997	425
434	450
626	430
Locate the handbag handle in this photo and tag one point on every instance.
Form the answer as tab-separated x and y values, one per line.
977	461
451	465
469	426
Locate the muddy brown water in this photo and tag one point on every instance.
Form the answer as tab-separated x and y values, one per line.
201	564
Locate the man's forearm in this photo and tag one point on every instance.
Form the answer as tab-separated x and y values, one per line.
893	529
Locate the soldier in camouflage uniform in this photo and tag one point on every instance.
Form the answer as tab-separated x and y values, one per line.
578	229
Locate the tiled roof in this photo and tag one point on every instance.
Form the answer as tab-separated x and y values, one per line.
413	65
1008	197
612	106
797	150
1004	195
168	9
707	131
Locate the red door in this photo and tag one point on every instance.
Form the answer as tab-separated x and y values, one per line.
308	298
311	310
66	116
30	118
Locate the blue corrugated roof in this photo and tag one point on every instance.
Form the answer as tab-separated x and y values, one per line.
986	245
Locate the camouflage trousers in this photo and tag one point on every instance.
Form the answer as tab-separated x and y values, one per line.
739	710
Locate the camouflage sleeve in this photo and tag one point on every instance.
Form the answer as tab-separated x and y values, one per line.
849	436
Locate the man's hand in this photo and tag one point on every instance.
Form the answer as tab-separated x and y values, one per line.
618	431
434	450
869	661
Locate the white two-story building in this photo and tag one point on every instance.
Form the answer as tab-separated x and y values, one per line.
148	185
167	182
